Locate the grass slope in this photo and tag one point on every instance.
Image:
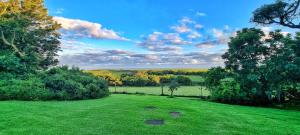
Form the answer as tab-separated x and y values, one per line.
125	114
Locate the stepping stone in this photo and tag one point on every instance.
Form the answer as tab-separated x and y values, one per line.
150	108
175	114
155	122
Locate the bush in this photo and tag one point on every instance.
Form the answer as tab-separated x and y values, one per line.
30	89
72	84
183	80
229	91
10	63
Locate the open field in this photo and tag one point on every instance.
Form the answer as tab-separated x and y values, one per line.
125	114
182	91
195	78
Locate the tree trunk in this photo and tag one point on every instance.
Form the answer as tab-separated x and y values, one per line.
162	90
201	91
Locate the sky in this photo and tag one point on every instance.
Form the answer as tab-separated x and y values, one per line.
132	34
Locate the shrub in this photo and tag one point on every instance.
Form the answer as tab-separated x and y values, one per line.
17	89
72	84
183	80
228	91
9	62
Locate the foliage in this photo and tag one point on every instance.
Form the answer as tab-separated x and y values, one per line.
214	75
70	84
182	80
139	78
30	33
17	89
267	69
29	45
177	72
174	85
229	91
281	13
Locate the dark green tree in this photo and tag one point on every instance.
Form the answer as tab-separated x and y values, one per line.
282	69
245	55
214	75
281	13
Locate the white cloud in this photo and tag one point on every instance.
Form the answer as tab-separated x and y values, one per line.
123	59
186	20
163	42
59	11
154	36
200	14
181	29
223	36
80	28
219	34
267	31
205	46
198	26
194	35
174	39
220	37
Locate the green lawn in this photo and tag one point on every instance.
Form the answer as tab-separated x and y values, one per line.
196	78
182	91
125	115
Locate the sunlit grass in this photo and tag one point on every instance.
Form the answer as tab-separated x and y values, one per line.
125	115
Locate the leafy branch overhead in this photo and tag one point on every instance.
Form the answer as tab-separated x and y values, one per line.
281	13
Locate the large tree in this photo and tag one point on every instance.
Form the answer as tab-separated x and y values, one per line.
282	66
245	55
29	32
281	12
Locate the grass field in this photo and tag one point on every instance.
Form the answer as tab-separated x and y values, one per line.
182	91
195	78
125	115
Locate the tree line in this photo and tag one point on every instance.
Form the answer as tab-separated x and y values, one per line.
142	78
261	68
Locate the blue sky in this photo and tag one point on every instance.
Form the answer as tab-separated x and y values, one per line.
149	33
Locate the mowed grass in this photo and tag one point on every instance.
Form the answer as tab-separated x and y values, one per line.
125	115
195	78
182	90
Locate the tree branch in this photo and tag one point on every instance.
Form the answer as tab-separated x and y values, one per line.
16	49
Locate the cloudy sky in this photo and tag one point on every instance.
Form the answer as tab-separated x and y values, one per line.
122	34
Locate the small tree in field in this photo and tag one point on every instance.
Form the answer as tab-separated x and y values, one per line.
173	86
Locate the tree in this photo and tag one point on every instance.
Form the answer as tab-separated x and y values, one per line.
214	75
173	86
162	85
281	13
31	33
245	55
282	71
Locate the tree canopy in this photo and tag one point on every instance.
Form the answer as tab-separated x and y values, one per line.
281	13
28	31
